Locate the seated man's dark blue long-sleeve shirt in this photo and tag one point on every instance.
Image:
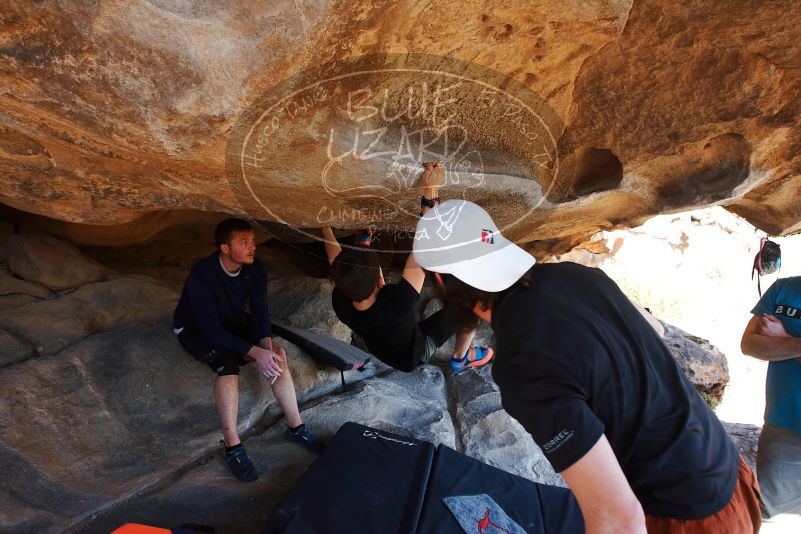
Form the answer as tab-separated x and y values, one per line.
213	302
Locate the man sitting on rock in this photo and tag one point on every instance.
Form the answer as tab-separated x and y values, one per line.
213	326
384	314
774	334
586	375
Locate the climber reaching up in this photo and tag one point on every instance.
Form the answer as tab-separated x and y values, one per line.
383	315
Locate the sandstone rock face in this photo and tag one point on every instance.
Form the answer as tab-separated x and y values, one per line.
14	300
120	411
13	349
36	321
5	234
51	262
114	113
100	401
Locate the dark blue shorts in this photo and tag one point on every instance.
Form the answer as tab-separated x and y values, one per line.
222	361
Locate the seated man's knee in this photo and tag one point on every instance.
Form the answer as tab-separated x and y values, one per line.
282	353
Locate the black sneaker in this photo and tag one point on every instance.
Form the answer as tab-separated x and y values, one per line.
241	465
305	438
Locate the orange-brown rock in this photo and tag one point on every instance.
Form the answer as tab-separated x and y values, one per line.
114	112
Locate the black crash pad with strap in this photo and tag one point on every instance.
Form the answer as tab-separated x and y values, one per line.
367	482
370	481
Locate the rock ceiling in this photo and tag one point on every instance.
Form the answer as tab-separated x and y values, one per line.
560	120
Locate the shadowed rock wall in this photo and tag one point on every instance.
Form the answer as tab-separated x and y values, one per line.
104	419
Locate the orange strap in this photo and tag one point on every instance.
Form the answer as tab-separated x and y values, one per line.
134	528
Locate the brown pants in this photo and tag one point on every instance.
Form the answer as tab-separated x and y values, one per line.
741	516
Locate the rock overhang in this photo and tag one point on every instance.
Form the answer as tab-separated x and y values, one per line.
117	115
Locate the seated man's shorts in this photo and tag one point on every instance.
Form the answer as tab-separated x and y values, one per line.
222	361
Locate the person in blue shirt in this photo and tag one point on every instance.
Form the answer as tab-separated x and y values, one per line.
774	334
212	325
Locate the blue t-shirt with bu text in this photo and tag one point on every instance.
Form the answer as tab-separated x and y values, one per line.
783	387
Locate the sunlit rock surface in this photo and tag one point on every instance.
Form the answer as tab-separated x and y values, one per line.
589	116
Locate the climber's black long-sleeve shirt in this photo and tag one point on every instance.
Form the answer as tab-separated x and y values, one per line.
213	302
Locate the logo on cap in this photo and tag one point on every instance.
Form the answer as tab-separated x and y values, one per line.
447	220
487	236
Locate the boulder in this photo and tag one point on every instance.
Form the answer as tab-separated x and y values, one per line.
13	349
5	235
305	302
15	300
704	364
11	285
51	262
167	261
118	412
486	432
102	420
53	324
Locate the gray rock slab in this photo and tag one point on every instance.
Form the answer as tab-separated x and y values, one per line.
51	262
15	300
488	433
5	234
53	324
702	362
410	404
10	285
13	349
209	495
103	419
116	413
305	302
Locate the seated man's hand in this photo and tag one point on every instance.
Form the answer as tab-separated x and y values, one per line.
268	361
771	326
433	175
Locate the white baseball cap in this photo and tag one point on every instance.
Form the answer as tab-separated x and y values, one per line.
458	237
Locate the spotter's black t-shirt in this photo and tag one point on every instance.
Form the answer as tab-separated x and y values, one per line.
389	327
575	360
